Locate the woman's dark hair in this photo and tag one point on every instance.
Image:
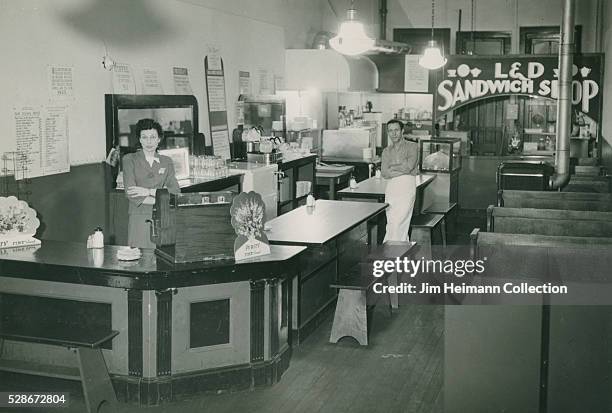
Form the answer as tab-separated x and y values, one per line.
146	124
399	122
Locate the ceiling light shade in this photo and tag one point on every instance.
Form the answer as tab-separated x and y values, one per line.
351	38
432	59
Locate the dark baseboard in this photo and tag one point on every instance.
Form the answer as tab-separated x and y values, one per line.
150	392
302	332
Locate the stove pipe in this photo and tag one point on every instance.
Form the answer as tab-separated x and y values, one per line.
564	104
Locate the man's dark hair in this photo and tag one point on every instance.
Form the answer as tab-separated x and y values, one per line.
146	124
399	122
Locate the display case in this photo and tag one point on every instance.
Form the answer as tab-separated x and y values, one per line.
265	112
439	154
177	114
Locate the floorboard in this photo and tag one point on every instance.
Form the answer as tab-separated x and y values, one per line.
399	371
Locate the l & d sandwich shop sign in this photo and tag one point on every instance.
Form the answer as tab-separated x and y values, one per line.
468	78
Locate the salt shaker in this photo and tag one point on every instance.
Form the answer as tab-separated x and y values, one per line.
310	200
98	238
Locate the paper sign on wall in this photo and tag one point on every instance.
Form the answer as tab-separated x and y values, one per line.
123	79
220	142
217	108
42	141
182	85
150	82
264	82
60	81
244	83
216	93
416	78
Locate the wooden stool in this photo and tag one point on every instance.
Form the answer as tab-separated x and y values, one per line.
422	227
352	308
447	209
97	387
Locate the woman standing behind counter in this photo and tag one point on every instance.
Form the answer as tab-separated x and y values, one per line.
143	173
399	167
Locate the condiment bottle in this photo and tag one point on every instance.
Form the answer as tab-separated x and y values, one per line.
98	238
310	200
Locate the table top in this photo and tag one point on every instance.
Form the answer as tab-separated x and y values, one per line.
73	262
321	223
376	160
334	174
376	186
335	168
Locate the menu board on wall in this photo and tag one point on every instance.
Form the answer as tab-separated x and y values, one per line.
416	78
244	83
123	79
217	107
151	85
182	85
41	135
60	80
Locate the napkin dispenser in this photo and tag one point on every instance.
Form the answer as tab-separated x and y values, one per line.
193	227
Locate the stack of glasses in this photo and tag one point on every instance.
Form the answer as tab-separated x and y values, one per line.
204	166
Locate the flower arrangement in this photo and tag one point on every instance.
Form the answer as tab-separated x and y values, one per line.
17	218
13	219
248	218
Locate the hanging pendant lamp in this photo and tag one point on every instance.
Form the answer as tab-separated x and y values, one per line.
351	38
432	59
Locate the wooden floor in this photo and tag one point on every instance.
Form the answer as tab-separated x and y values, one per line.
400	371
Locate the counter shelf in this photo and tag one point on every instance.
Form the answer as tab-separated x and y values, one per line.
231	317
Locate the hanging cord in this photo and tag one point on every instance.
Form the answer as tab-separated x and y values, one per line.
472	32
433	6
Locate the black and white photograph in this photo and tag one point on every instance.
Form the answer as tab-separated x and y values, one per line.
306	206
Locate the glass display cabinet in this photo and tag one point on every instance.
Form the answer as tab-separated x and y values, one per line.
177	114
440	157
439	154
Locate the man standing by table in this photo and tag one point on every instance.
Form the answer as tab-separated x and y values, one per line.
399	167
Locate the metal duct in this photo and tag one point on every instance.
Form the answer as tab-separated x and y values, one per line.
564	105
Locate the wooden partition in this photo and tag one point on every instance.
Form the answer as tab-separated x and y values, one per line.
577	201
549	222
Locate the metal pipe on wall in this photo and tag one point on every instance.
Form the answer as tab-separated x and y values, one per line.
564	104
383	19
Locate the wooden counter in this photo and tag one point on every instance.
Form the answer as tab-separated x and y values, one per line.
336	234
117	225
183	329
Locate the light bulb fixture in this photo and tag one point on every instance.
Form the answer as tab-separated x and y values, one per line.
351	38
432	59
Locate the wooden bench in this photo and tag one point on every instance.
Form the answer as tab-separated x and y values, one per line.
577	201
352	307
581	183
478	237
448	209
97	387
581	263
422	228
549	222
